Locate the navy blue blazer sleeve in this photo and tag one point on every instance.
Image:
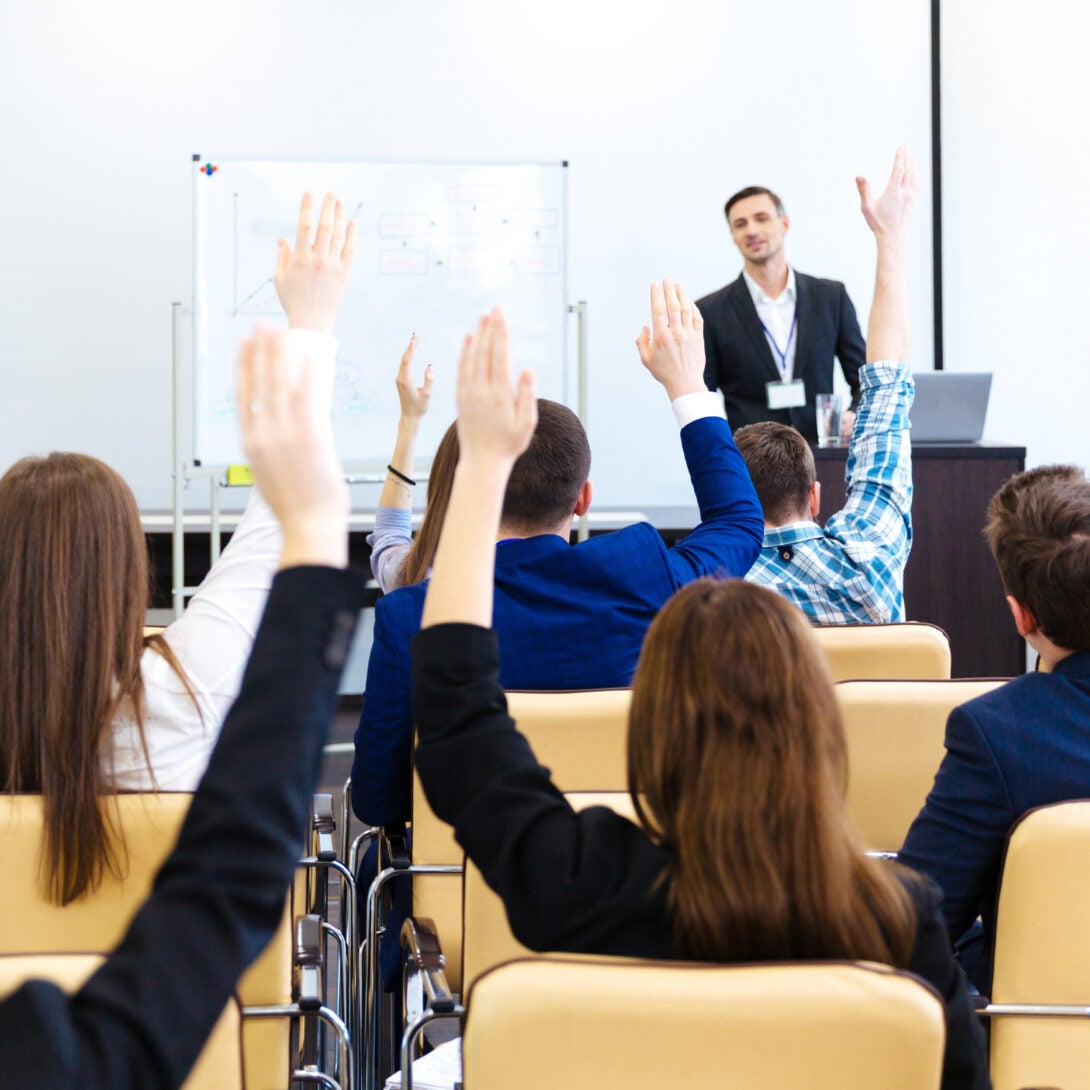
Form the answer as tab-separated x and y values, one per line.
851	349
959	836
141	1020
382	767
728	539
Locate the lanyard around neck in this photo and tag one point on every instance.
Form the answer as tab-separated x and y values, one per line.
781	355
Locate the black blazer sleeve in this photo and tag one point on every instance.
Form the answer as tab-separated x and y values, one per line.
851	349
142	1019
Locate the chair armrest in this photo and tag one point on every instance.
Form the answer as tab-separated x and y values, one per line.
423	957
308	962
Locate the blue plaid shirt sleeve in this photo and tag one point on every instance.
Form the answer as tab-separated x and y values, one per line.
853	570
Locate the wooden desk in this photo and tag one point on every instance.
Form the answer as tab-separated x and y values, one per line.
951	579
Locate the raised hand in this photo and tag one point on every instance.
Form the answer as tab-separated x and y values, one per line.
291	451
414	399
889	215
673	349
311	276
494	422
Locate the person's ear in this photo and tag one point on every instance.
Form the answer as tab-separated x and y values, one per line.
815	499
582	501
786	219
1024	621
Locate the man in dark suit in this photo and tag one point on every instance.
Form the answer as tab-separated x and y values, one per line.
572	616
1026	744
771	335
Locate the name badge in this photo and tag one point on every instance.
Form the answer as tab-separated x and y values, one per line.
786	395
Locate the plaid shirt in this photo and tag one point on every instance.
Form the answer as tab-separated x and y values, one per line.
853	570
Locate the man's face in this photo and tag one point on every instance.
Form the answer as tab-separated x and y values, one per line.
757	228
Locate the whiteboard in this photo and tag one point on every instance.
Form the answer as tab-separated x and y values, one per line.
438	245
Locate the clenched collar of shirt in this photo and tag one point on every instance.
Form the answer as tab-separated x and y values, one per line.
853	569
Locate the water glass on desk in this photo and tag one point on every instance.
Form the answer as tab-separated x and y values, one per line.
830	409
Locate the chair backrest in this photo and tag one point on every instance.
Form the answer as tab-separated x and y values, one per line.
486	935
587	1023
895	735
910	650
1042	950
219	1066
580	736
150	823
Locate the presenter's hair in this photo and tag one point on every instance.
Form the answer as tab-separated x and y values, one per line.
548	476
737	760
418	560
781	466
1038	528
754	191
73	601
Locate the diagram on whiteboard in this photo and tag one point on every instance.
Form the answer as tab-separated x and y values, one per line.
437	246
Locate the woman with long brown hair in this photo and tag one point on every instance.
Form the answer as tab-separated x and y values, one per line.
744	850
88	704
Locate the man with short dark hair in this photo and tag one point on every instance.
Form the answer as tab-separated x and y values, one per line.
1026	744
572	616
853	569
771	335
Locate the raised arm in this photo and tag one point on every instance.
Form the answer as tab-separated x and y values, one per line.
141	1020
495	426
392	539
889	217
728	538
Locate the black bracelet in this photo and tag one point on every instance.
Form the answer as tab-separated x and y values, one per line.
401	476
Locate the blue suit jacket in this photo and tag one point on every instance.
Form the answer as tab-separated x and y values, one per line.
1024	745
568	617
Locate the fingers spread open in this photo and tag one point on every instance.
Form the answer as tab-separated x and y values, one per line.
305	229
323	239
686	306
658	309
349	249
336	245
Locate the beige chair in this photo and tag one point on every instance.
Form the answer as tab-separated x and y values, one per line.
911	650
583	1024
219	1066
30	924
1040	1002
895	735
580	736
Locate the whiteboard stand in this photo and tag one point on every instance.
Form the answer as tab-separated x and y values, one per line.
185	469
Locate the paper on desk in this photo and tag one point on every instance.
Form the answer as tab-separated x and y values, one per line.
440	1069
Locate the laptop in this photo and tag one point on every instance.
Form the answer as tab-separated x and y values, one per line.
950	406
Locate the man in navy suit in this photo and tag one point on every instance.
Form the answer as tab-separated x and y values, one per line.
572	617
1026	744
771	335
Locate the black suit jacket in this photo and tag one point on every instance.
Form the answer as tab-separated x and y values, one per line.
142	1019
740	362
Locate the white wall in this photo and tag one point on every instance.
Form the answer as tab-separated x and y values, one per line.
1016	167
661	110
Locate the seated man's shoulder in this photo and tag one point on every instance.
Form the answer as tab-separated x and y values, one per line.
1026	700
402	605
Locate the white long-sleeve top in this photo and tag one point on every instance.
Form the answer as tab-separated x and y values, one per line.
212	639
